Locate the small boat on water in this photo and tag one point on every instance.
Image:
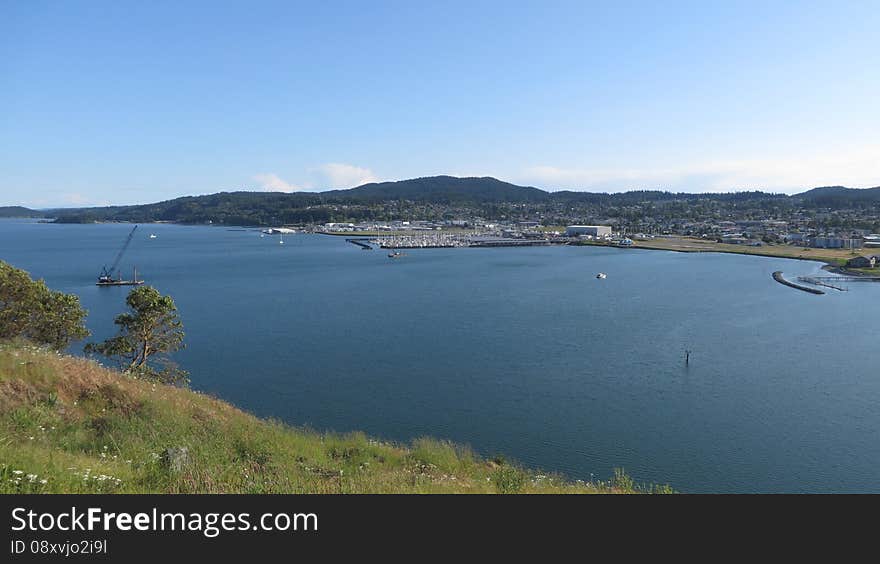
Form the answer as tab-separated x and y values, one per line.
152	235
278	231
601	276
395	254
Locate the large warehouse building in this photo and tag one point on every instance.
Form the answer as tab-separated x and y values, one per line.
592	230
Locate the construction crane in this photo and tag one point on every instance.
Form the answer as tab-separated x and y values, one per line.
106	277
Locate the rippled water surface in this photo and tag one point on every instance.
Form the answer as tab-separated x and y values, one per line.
520	351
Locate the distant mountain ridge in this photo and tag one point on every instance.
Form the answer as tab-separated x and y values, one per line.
485	195
833	196
443	189
19	211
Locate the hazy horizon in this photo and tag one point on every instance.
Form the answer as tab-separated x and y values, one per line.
109	103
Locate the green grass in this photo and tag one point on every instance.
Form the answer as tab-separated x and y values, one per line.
68	425
833	257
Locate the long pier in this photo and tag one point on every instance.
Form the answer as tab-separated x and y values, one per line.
360	243
823	281
845	278
778	277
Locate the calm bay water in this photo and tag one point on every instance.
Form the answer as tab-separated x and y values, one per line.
515	351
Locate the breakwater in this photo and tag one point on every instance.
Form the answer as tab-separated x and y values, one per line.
778	277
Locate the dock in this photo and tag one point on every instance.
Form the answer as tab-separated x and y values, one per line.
826	281
507	242
846	278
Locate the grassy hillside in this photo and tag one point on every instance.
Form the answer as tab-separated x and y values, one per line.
68	425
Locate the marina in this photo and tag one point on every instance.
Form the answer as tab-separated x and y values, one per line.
447	241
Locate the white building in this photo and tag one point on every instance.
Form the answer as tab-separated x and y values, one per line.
592	230
835	243
872	241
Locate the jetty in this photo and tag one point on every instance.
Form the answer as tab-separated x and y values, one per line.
778	277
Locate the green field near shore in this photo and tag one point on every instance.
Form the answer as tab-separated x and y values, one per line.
834	257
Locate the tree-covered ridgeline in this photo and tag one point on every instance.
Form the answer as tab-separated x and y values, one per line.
445	197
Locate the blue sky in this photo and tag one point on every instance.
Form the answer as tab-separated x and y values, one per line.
129	102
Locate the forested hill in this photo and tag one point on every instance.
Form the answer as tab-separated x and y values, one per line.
18	211
840	197
441	197
443	190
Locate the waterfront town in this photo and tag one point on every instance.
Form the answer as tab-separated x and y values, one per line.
831	224
477	232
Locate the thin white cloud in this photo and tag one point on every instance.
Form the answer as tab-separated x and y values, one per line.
66	200
76	199
341	175
271	182
854	167
322	177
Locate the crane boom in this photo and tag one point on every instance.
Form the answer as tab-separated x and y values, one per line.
107	273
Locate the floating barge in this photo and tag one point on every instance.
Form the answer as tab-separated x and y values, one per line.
106	278
110	281
119	283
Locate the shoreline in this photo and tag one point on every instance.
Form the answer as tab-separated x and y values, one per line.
833	262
